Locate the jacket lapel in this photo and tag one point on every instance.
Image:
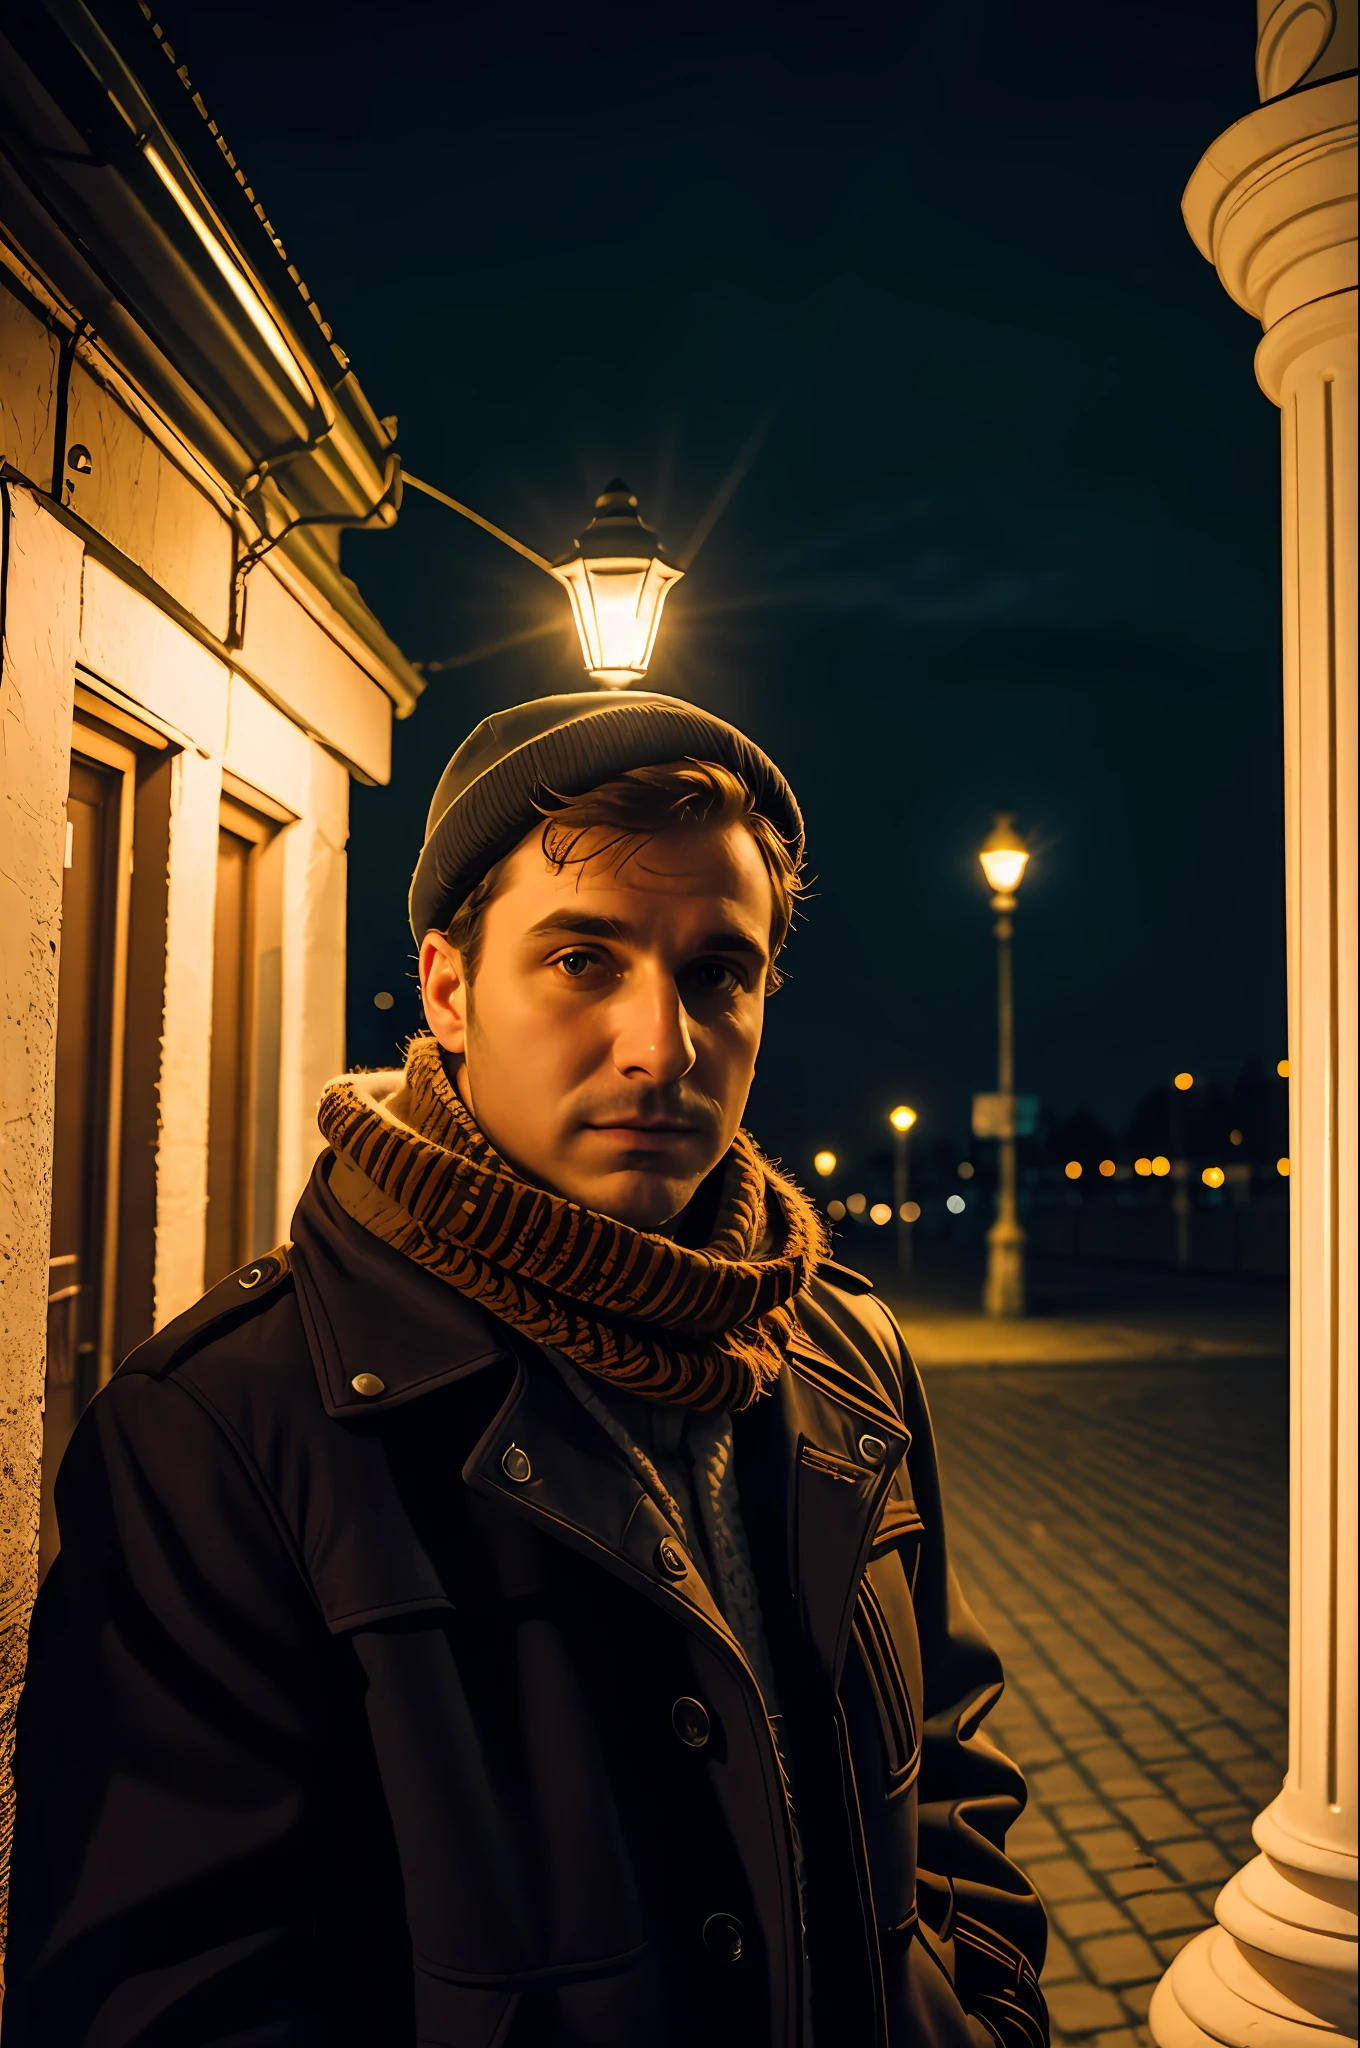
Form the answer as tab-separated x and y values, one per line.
546	1459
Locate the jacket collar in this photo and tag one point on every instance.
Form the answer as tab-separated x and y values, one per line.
381	1330
827	1439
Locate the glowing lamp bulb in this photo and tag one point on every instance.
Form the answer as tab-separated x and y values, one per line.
902	1118
617	580
825	1163
1004	855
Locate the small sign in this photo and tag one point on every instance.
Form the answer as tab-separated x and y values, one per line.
1005	1116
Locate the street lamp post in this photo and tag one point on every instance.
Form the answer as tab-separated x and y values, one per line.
1003	855
902	1120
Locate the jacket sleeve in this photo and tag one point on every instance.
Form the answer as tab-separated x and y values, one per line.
168	1851
977	1907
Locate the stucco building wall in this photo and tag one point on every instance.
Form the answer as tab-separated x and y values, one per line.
41	612
121	584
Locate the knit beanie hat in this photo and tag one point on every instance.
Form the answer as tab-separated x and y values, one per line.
489	794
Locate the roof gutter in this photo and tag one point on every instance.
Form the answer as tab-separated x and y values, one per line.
155	242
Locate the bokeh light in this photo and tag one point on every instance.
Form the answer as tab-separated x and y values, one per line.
902	1118
1161	1166
910	1212
956	1205
1108	1169
1282	1069
1213	1176
1073	1169
1184	1081
1142	1167
1234	1137
966	1169
383	1000
881	1212
836	1211
825	1163
856	1204
1282	1168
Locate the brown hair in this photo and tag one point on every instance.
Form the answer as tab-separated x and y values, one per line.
631	810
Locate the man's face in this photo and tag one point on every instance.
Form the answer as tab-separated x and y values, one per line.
610	1038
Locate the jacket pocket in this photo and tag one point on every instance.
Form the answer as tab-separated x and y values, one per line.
462	2015
392	1609
997	1985
899	1527
834	1466
888	1684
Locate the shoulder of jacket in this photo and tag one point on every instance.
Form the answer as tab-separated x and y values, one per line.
843	1277
243	1295
864	1320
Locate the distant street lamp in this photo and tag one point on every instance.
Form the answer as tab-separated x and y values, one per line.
902	1120
1004	856
1181	1084
616	576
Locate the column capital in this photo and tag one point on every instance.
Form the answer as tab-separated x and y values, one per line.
1272	205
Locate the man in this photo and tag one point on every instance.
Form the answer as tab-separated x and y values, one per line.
516	1613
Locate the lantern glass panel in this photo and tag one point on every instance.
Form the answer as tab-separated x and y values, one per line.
616	602
1003	866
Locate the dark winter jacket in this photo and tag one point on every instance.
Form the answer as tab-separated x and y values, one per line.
367	1718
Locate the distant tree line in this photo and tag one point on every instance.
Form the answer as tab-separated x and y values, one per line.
1198	1124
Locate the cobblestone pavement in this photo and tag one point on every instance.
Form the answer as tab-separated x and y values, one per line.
1122	1533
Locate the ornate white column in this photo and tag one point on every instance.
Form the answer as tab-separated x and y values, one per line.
1273	207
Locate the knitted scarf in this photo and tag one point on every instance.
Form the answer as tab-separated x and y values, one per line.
705	1328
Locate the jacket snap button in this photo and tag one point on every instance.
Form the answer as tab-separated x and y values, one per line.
724	1936
369	1385
671	1558
873	1450
689	1718
515	1465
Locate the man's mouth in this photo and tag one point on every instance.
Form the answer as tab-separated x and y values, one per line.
646	1125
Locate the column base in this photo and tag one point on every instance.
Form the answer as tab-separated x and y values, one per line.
1279	1970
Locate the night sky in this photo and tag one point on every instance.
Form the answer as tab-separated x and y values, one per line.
1007	525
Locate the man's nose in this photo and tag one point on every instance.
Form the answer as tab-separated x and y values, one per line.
652	1039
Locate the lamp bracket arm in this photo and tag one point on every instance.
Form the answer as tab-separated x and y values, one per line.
443	497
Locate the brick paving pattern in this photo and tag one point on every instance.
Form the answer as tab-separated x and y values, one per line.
1122	1534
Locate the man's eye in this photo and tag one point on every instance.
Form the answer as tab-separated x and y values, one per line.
576	964
712	975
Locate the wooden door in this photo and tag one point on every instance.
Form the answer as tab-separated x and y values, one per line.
91	997
243	1074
